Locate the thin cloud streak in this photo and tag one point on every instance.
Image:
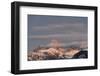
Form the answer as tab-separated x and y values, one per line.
75	43
57	26
56	36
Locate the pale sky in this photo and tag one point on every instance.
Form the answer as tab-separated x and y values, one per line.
69	30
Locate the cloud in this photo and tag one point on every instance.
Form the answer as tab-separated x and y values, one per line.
65	28
58	26
48	36
72	35
73	43
48	26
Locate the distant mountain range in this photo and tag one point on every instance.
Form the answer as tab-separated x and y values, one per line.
49	53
